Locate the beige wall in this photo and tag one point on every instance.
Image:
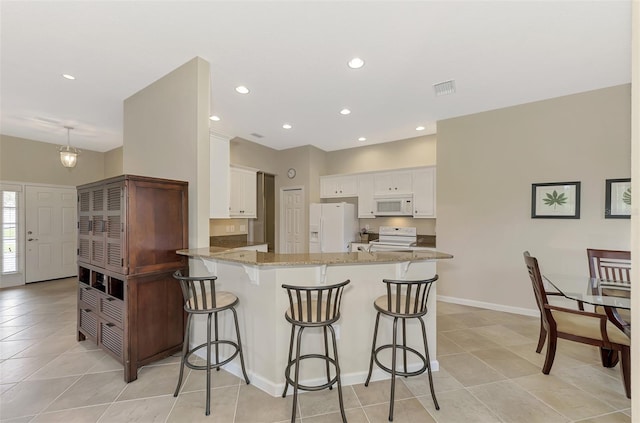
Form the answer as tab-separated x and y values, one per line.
113	163
486	165
250	154
166	135
23	160
412	152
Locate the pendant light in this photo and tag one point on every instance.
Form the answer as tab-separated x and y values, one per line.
68	154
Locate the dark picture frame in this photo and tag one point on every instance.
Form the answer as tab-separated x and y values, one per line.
617	202
555	200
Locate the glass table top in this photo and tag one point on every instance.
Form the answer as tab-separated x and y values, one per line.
592	291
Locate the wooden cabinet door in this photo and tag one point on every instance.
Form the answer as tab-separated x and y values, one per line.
97	206
393	183
338	186
366	203
250	193
424	192
84	226
114	227
243	193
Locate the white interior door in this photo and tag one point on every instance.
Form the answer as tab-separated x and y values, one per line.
292	212
51	233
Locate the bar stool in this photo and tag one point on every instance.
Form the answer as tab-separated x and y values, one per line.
404	300
311	307
200	297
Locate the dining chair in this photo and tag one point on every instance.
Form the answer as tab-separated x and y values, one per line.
611	266
543	332
578	326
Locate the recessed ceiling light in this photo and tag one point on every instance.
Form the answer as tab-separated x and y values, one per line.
355	63
214	118
420	128
287	126
242	89
345	112
67	76
362	139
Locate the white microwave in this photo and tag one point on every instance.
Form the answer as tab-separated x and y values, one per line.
394	206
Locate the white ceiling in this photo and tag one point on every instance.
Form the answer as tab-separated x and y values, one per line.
293	55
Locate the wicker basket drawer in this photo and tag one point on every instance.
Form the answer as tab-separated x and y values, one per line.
89	295
112	309
88	322
112	338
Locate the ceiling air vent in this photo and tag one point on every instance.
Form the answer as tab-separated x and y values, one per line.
445	88
255	134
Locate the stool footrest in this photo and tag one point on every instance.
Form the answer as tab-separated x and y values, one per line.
329	384
213	364
398	372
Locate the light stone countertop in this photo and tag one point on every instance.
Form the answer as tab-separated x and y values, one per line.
257	258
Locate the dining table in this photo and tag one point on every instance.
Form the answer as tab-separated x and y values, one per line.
612	296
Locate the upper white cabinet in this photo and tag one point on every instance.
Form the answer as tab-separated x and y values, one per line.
419	182
243	192
219	176
336	186
424	192
366	204
396	182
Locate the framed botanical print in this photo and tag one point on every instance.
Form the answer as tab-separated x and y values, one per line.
555	200
617	199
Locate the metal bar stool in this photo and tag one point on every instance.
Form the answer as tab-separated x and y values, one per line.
404	300
313	307
200	297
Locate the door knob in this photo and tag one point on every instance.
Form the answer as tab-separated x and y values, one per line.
32	239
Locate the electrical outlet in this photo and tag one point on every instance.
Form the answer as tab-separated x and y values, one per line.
366	227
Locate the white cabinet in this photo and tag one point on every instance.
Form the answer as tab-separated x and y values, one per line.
219	176
424	192
366	203
243	193
392	183
336	186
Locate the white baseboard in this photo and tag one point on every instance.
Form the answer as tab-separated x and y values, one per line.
347	379
490	306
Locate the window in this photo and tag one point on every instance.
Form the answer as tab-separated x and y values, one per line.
10	230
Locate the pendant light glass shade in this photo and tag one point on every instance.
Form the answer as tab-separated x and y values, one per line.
68	154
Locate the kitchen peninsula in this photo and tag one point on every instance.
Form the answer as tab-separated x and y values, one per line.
256	278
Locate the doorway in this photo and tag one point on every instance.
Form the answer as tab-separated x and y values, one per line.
263	227
50	233
292	220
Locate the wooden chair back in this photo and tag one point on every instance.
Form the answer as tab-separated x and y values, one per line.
538	286
610	265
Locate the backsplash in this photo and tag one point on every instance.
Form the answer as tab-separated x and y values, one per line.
224	227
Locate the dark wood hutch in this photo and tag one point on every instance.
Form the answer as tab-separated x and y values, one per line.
129	228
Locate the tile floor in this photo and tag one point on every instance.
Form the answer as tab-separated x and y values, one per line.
489	373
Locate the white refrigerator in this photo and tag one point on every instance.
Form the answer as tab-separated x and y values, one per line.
332	227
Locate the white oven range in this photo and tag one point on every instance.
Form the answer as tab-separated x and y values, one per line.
393	238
